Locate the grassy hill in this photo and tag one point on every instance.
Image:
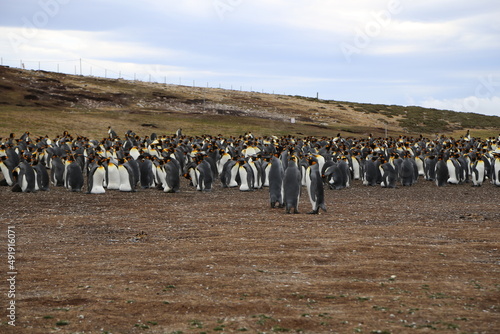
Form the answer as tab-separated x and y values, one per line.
47	103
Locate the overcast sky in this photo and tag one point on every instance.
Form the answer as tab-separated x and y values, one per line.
442	53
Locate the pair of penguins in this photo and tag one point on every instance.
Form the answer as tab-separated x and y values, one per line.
285	185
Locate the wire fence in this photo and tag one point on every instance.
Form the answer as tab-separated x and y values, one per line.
85	67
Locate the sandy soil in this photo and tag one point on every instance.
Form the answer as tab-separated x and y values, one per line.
419	259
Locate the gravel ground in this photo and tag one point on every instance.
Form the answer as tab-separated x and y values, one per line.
414	259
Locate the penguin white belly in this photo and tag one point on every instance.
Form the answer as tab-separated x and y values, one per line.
221	163
24	183
234	173
200	183
420	166
257	179
124	179
193	175
309	192
113	181
37	188
266	175
98	181
452	172
478	175
355	169
6	174
496	171
161	176
304	179
244	186
154	179
134	153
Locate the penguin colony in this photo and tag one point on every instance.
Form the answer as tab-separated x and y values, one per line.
282	164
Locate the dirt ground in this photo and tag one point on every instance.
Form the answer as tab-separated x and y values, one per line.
418	259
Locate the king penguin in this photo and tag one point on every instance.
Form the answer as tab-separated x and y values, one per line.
95	180
127	178
26	179
430	168
42	177
172	180
147	177
57	171
74	176
389	175
247	177
495	169
6	166
408	171
315	189
453	171
266	168
292	186
112	175
477	172
334	176
205	175
441	172
356	167
371	172
276	173
233	178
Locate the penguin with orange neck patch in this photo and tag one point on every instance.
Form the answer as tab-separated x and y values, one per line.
95	181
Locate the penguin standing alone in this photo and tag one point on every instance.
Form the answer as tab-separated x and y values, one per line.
315	189
292	187
276	173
